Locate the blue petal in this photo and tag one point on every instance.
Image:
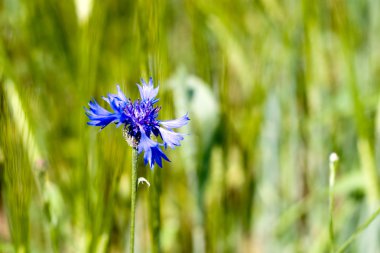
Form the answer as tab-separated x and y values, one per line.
157	156
99	116
152	151
147	91
170	138
175	123
120	94
116	104
145	143
118	99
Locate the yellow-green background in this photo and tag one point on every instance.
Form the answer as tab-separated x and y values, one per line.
272	88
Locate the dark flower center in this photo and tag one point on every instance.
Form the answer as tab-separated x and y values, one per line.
141	114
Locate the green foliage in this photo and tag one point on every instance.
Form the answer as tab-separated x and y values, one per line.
271	87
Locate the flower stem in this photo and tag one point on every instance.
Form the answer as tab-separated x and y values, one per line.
133	199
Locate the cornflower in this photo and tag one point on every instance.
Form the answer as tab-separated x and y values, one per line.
139	121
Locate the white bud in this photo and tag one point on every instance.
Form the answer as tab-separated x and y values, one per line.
333	157
83	9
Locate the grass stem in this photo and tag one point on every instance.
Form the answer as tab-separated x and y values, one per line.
333	164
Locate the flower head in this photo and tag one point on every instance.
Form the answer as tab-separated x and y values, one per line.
139	119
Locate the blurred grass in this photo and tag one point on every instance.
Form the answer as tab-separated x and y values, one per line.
271	87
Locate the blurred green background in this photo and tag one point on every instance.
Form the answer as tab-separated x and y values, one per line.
272	88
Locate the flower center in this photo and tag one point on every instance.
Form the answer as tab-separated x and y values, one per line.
140	114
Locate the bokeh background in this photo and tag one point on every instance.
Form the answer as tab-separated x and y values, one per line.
272	88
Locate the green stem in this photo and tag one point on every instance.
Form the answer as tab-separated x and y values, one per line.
331	228
331	201
133	199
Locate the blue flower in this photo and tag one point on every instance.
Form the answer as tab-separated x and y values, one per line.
140	122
